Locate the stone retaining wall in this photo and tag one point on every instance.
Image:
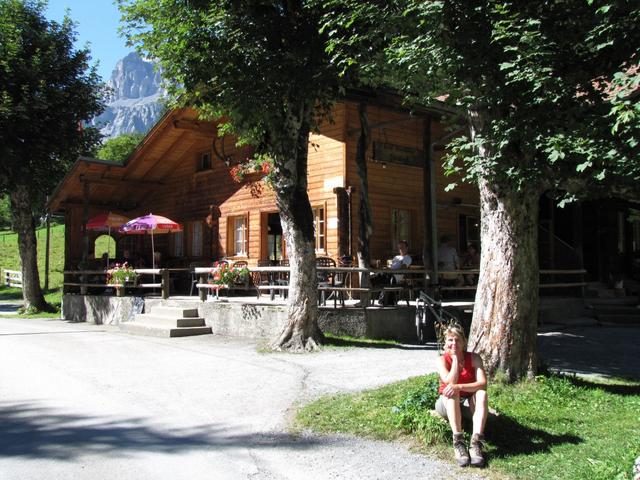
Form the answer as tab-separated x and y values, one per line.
100	309
250	320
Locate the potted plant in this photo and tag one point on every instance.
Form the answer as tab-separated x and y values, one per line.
120	275
227	275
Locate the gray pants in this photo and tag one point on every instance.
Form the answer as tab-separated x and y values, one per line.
466	408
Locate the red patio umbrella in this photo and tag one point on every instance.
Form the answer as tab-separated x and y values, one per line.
150	224
105	221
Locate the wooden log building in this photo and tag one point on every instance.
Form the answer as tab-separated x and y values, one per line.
182	170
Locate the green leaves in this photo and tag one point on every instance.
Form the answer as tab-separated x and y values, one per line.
47	89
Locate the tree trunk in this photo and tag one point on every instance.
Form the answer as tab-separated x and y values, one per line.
364	211
301	331
24	225
506	307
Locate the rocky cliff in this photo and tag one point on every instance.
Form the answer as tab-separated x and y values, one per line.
135	98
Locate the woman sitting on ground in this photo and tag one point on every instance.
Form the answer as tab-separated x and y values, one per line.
463	391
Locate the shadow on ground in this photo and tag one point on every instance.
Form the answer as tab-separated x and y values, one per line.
10	294
616	389
510	438
29	430
354	342
603	351
9	307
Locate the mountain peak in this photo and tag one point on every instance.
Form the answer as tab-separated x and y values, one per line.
134	101
134	77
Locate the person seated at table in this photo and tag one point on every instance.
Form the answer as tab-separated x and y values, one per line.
448	262
157	259
471	261
91	264
402	260
126	257
104	260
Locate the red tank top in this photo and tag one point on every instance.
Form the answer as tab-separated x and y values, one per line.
467	375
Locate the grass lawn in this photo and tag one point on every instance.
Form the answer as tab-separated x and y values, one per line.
10	260
346	341
554	428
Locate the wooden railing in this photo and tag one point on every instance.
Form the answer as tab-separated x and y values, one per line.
543	283
275	280
97	279
12	278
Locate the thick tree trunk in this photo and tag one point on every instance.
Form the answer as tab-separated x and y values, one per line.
506	307
364	211
301	331
24	226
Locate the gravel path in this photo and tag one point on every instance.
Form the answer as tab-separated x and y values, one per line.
87	402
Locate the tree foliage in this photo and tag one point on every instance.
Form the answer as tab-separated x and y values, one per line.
119	148
250	62
263	68
549	94
47	90
538	72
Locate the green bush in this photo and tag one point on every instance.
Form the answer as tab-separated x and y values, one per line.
415	414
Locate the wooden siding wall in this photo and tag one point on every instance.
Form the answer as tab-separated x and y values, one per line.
394	186
169	161
186	194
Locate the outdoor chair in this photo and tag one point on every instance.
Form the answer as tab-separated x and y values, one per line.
270	279
325	279
282	278
244	283
194	276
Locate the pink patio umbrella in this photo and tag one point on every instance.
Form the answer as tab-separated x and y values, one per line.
153	224
105	221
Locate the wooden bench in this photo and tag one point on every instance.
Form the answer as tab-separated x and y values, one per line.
340	290
272	290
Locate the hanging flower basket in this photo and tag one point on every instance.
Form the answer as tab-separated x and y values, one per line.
252	170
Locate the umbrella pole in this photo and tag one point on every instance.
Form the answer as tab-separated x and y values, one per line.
153	252
108	245
153	258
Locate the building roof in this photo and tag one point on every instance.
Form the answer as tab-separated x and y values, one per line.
122	186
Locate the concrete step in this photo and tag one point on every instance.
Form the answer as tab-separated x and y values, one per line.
621	309
597	302
174	312
157	331
152	319
618	318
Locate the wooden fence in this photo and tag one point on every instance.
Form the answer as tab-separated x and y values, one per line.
12	278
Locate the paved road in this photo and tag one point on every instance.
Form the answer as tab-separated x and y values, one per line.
80	401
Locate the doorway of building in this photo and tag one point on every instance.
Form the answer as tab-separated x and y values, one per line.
275	240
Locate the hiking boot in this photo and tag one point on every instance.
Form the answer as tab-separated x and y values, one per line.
460	449
475	450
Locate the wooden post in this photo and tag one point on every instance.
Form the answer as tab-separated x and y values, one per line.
578	244
165	283
429	219
202	292
46	253
85	235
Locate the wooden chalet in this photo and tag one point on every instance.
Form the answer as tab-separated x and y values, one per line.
182	170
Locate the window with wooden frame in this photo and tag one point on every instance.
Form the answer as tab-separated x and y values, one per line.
204	161
468	231
401	220
238	236
194	239
319	228
177	246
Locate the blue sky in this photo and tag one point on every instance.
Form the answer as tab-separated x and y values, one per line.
97	22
